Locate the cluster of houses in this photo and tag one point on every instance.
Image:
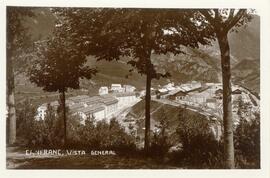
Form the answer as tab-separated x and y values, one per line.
111	100
197	94
116	88
173	92
102	106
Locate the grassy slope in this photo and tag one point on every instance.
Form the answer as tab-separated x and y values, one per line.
170	112
247	73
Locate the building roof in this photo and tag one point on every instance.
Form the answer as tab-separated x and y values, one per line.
54	103
186	88
237	91
103	88
124	94
210	100
78	98
109	101
219	90
75	107
43	106
108	95
162	90
106	99
169	84
191	86
116	85
129	86
170	88
91	109
92	100
176	91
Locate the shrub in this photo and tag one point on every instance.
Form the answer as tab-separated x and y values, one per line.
25	112
47	132
99	135
92	135
160	142
247	143
199	147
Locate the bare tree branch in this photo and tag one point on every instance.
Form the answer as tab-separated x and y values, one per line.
231	14
217	16
208	17
233	20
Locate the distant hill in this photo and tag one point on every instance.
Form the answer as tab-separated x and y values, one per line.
201	64
244	44
247	73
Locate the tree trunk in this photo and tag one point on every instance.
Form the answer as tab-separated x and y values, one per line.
11	119
227	100
63	100
147	109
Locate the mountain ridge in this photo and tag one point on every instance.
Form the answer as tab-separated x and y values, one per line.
201	64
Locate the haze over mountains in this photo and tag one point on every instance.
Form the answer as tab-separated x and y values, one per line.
201	64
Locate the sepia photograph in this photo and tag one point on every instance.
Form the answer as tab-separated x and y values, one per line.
132	88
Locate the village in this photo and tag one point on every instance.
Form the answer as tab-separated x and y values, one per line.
106	105
117	100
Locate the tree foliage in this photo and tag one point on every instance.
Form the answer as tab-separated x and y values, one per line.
19	40
135	34
110	34
161	141
199	148
247	142
59	65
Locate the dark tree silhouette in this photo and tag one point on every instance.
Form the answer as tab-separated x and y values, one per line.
135	34
17	40
59	66
223	21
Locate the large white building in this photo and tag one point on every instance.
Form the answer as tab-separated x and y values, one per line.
97	112
111	105
103	90
42	110
211	103
107	102
125	99
73	108
78	99
117	88
102	106
129	88
188	87
169	87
